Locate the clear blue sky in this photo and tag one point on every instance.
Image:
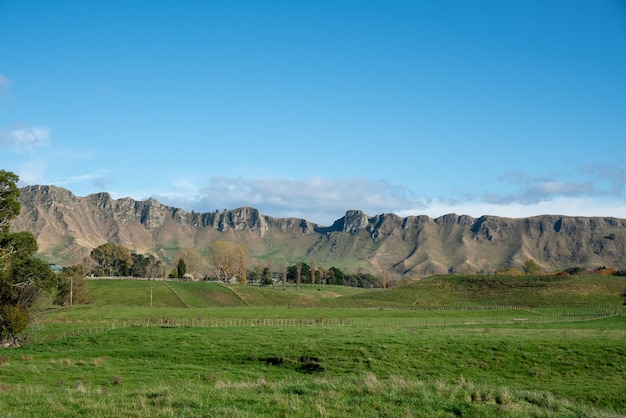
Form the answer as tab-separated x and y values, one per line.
311	108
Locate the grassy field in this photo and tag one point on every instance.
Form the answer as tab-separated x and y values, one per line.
530	346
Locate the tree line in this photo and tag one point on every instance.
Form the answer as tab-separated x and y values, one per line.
228	263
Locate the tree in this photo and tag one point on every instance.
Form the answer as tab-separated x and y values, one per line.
256	273
364	280
193	262
72	288
531	266
313	272
266	277
9	205
146	266
299	272
181	268
323	272
112	259
227	258
242	275
22	276
336	276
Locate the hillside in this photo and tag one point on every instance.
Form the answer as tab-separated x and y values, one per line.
451	291
67	227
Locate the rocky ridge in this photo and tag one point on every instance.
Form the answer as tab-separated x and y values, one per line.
67	227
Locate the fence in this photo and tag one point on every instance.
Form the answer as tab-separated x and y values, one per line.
568	316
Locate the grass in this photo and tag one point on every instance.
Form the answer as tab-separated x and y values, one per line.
525	290
448	291
242	351
247	370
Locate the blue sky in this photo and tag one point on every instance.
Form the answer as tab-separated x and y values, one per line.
311	108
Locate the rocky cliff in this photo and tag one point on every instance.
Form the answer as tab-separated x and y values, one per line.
67	227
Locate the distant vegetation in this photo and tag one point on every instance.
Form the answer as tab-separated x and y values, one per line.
113	260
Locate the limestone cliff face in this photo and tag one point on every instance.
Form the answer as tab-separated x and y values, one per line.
67	227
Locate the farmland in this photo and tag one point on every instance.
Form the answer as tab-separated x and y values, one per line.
443	346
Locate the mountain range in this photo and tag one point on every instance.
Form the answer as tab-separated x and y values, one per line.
68	227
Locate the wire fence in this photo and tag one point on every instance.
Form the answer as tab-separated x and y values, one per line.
545	316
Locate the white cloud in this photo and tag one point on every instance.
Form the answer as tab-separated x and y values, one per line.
32	172
96	178
316	199
25	138
613	175
599	179
324	200
566	206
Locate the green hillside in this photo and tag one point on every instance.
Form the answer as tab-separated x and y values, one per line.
175	294
436	291
524	290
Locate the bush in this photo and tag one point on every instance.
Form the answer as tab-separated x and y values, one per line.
13	320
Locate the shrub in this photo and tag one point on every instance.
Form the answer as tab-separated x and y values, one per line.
13	320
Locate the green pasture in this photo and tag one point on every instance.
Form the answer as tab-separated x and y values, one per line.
455	291
492	290
530	346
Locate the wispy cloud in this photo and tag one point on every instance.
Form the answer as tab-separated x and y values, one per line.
540	191
317	199
324	200
98	179
601	179
25	138
614	176
32	172
597	195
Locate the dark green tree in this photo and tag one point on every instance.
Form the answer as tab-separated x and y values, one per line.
112	259
145	266
299	273
266	277
22	276
181	268
335	276
9	205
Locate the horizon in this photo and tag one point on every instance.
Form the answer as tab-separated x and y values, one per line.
301	110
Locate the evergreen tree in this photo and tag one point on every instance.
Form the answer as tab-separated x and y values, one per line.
22	276
181	268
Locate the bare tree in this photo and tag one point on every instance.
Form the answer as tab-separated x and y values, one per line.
242	276
193	261
298	272
270	267
323	272
227	258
